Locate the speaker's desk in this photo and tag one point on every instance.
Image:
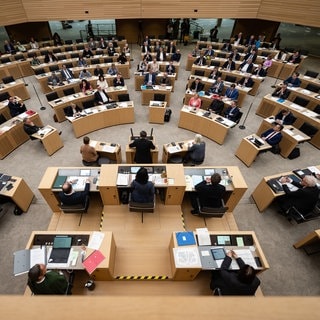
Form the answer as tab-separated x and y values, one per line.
59	104
16	88
12	134
104	271
102	116
248	151
16	190
208	124
149	94
186	262
157	110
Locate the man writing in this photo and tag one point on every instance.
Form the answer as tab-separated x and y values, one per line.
69	197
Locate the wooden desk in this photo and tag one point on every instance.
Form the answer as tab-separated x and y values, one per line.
51	141
311	238
148	94
281	70
16	88
186	272
12	134
208	127
105	270
4	109
180	148
157	110
247	152
108	150
139	79
20	194
99	117
305	80
312	97
163	65
270	106
291	136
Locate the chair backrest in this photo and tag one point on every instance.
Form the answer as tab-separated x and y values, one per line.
4	96
62	57
141	207
88	104
68	41
68	48
312	74
54	67
52	96
8	79
56	50
221	55
209	212
39	71
74	55
76	208
215	63
80	46
316	109
264	53
43	52
68	92
202	46
95	61
199	73
203	39
238	118
123	97
69	65
231	79
5	60
301	101
313	88
108	60
2	119
79	40
308	129
31	54
159	97
19	57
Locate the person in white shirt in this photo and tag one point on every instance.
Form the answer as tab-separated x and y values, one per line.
102	82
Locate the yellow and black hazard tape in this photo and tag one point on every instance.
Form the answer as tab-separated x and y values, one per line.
182	220
101	221
142	278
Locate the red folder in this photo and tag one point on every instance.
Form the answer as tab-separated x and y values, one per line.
93	260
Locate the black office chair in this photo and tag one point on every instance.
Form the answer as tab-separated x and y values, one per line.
264	53
56	50
39	71
76	208
203	39
79	40
215	63
18	57
146	207
74	55
43	52
221	55
68	49
313	88
69	65
99	52
9	79
299	217
68	42
238	118
312	74
230	79
123	97
108	60
62	57
215	40
88	104
54	67
316	109
225	40
308	129
199	73
80	46
5	60
95	61
31	54
4	96
68	92
52	96
161	36
240	50
202	46
300	101
159	97
209	212
2	119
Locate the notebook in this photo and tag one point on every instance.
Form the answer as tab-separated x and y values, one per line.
60	249
185	238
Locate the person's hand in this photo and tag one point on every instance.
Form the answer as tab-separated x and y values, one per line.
88	180
284	180
234	255
229	253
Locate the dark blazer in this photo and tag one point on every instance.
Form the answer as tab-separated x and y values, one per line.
232	66
98	72
77	197
260	73
47	58
146	78
111	51
145	49
201	61
117	83
197	152
273	140
199	87
171	70
209	52
227	47
164	56
143	148
30	130
210	195
142	192
293	59
216	88
247	56
248	84
284	95
304	199
64	75
87	53
250	67
232	113
69	112
229	283
176	57
294	82
98	98
288	119
215	76
216	106
9	48
236	57
16	108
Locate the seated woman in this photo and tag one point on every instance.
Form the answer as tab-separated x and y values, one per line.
85	86
82	62
195	101
142	189
122	58
113	70
102	82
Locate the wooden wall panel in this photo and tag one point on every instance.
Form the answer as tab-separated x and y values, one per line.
12	12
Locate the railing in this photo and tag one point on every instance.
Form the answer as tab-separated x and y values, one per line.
98	30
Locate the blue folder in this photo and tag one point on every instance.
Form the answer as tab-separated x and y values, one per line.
185	238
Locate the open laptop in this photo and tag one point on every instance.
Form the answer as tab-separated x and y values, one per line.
257	142
61	249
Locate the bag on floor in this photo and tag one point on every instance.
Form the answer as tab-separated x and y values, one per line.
167	115
295	153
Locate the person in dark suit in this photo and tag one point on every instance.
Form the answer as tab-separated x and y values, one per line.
122	58
232	112
259	71
234	55
209	52
217	87
98	71
171	48
293	81
215	74
101	96
9	47
66	73
229	65
150	78
232	93
143	148
87	53
246	66
118	81
145	48
111	49
29	127
69	197
176	56
210	193
304	199
201	61
246	81
273	136
16	107
217	105
234	283
251	55
196	85
50	57
165	80
170	68
295	58
282	92
161	55
72	110
227	47
142	189
285	117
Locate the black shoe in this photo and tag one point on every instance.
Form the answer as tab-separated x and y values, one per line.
60	133
195	212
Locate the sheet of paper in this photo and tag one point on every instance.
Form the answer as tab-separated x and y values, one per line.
109	149
38	255
223	240
189	183
186	257
299	137
196	179
203	237
93	143
246	256
122	179
96	240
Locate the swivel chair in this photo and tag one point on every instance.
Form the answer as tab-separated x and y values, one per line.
159	97
141	207
68	92
52	96
123	97
209	212
8	79
299	217
76	208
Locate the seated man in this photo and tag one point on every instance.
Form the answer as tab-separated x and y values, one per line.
215	74
89	153
232	112
150	78
84	74
118	81
98	71
161	55
87	53
54	79
70	197
113	70
66	73
217	87
273	136
282	92
16	107
29	127
176	56
122	58
42	281
170	68
229	65
217	105
209	52
231	283
285	117
201	61
232	93
246	81
293	81
259	71
196	150
72	110
210	193
246	66
196	85
165	80
143	148
304	199
101	96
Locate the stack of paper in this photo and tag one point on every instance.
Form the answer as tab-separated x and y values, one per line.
122	179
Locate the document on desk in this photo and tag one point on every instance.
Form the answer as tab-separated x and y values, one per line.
299	137
203	237
93	143
78	182
96	240
174	149
189	183
44	131
186	257
196	179
109	149
247	256
122	179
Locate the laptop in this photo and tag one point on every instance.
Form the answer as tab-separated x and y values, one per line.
257	142
61	249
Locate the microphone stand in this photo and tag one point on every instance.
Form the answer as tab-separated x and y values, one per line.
42	107
242	126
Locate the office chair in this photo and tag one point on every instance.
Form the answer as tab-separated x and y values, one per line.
80	46
300	101
141	207
202	46
95	61
316	109
31	54
308	129
215	40
54	67
4	96
2	119
76	208
56	50
5	60
74	55
238	118
39	71
313	88
68	49
215	63
298	217
152	36
199	73
203	39
123	97
18	57
225	40
43	52
264	53
175	159
108	60
88	104
312	74
52	96
209	212
62	57
159	97
69	65
221	55
230	79
161	36
68	42
8	79
68	92
79	40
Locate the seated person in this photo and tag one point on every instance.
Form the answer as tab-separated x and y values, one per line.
122	58
234	55
232	93
21	47
150	78
72	111
33	43
118	81
210	193
113	70
145	47
35	61
215	73
232	112
101	96
92	44
304	199
66	73
89	153
259	71
217	105
147	57
170	68
293	81
171	48
227	47
268	62
273	136
98	71
235	283
176	56
196	150
246	81
42	281
154	66
229	65
54	79
282	92
102	43
295	57
252	55
50	57
29	127
281	55
143	148
165	80
246	66
16	107
82	62
195	101
195	52
87	53
70	197
201	61
217	87
161	55
196	85
126	49
57	41
84	74
209	52
142	189
102	82
143	66
285	117
85	86
111	49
